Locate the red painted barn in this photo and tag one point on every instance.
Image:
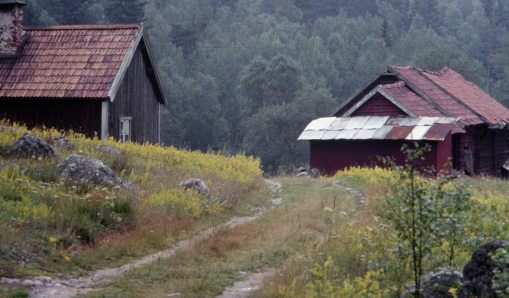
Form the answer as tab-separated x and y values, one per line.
477	143
94	79
361	140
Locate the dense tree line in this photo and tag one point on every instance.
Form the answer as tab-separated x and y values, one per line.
248	75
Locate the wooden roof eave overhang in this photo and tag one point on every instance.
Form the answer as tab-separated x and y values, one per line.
140	34
380	90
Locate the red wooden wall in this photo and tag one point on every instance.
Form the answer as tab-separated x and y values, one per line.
332	156
378	106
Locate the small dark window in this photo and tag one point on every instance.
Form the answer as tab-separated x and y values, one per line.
125	129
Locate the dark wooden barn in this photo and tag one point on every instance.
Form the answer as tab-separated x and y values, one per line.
94	79
477	143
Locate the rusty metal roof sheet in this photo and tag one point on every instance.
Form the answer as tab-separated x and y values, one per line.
379	128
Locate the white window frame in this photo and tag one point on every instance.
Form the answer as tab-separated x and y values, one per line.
124	129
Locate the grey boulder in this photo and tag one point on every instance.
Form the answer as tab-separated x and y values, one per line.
108	149
437	284
479	276
63	143
32	146
83	168
197	185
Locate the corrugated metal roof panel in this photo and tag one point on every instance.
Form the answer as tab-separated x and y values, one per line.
399	133
395	121
365	134
382	132
330	135
320	123
347	134
438	132
418	133
375	127
356	122
410	121
428	121
338	124
447	120
308	135
375	122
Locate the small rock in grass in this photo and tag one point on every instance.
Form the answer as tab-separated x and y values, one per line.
174	294
63	143
31	146
276	202
108	149
197	185
82	168
437	284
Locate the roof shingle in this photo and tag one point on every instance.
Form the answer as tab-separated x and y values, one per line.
67	61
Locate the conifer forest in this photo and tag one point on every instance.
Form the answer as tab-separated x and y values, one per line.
249	75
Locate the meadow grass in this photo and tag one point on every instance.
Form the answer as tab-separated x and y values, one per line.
355	258
55	225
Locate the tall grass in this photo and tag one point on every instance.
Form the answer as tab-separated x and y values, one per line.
79	225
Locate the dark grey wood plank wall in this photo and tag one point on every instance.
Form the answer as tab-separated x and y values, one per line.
83	116
137	97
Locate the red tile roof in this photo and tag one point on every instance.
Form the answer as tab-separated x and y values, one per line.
412	101
471	95
445	101
67	61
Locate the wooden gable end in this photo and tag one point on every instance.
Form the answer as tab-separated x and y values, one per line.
378	105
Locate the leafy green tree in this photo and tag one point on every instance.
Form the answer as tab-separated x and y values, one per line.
425	213
501	70
193	119
125	11
436	58
186	37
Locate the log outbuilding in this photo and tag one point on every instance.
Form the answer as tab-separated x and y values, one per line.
94	79
467	125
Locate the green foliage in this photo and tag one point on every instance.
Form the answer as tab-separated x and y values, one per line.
442	55
206	49
425	213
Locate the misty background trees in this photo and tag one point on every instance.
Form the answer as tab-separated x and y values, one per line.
248	75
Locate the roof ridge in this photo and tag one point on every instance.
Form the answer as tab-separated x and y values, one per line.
398	84
437	73
83	27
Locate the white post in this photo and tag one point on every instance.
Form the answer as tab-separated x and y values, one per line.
104	119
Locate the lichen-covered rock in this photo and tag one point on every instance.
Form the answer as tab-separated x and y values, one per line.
13	129
478	272
63	143
437	284
31	146
197	185
83	168
108	149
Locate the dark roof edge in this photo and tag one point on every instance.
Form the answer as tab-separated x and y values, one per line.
358	91
154	66
82	27
126	62
12	2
